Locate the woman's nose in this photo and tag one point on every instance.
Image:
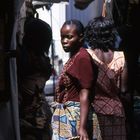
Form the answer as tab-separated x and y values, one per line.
65	40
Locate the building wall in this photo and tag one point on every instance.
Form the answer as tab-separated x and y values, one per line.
55	17
93	10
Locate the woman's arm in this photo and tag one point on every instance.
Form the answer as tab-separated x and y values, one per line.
84	109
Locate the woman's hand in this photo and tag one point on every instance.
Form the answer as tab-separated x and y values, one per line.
83	134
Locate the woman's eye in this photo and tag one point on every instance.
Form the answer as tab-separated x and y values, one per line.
69	36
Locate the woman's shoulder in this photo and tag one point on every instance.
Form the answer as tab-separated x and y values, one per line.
81	56
119	59
119	54
83	53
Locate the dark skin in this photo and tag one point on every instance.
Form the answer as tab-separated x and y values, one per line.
70	39
71	42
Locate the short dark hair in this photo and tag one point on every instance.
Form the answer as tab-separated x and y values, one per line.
77	23
100	33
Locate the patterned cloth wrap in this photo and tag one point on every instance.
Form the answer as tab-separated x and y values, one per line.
66	120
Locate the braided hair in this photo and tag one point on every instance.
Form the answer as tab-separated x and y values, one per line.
100	33
77	23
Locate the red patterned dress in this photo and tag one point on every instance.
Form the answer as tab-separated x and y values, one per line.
77	74
107	104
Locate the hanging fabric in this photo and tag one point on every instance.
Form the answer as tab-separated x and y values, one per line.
82	4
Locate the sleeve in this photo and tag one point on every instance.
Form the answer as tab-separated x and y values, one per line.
82	70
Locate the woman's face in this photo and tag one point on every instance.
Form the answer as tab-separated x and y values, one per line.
69	38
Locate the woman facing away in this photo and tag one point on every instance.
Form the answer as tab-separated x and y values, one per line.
73	114
100	34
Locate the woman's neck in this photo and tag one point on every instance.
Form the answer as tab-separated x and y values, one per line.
74	52
105	57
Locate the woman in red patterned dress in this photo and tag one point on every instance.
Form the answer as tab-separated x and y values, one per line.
73	92
100	34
